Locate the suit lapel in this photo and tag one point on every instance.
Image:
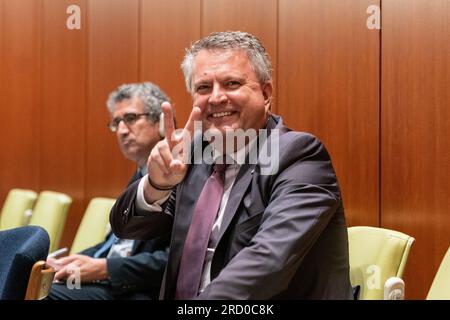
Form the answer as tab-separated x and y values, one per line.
240	186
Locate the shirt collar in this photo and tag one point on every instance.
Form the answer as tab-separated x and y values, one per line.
239	156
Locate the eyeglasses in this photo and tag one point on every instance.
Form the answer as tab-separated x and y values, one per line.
128	118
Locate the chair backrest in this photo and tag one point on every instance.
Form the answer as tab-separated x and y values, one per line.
94	225
50	213
40	281
16	204
376	254
440	288
21	248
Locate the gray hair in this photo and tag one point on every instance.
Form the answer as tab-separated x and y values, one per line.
150	94
229	40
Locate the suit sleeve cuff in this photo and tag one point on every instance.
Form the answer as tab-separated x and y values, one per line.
143	205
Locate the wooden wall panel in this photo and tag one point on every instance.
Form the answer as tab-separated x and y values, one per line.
258	17
167	28
62	113
415	162
328	71
112	60
20	94
54	83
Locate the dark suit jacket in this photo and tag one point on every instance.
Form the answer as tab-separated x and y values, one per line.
143	270
283	236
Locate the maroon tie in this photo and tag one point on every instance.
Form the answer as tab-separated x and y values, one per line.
194	252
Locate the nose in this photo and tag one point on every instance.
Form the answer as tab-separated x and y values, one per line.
218	95
122	128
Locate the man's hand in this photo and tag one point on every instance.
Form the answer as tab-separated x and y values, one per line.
168	160
90	269
54	263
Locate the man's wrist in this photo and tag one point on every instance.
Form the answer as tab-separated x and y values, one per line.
158	187
103	269
148	196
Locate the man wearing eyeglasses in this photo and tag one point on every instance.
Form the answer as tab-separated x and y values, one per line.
135	122
122	268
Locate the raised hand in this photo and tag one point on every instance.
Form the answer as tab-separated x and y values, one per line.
168	160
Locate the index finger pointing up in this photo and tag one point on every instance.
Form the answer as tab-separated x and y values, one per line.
169	123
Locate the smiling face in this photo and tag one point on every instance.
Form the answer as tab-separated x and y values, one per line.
228	91
135	140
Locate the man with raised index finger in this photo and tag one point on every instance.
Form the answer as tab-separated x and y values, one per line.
239	230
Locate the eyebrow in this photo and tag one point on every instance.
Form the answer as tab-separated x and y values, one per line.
224	79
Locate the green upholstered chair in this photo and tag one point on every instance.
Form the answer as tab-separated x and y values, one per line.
94	226
15	207
440	288
50	213
376	254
